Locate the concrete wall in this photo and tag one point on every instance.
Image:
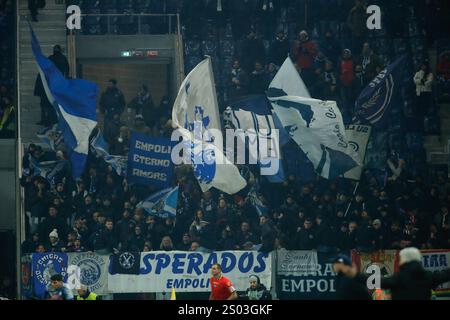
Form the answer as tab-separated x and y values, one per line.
7	185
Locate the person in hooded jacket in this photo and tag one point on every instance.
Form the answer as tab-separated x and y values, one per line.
412	281
257	291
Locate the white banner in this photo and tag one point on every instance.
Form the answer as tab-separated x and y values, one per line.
317	127
93	270
357	137
191	271
296	262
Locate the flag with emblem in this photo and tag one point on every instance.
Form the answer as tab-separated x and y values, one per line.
375	101
196	116
162	204
126	263
318	129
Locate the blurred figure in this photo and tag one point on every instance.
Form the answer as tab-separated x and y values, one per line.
350	285
257	291
238	82
33	6
413	282
279	49
112	104
85	294
57	290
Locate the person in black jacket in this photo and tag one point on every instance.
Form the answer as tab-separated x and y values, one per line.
105	240
112	104
279	49
413	282
350	285
48	113
257	291
306	237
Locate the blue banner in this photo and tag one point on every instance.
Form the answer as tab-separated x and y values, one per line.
44	266
149	161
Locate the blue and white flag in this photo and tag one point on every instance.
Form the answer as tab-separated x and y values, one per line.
51	136
48	170
75	104
195	115
288	82
100	147
118	163
317	127
162	204
381	93
253	117
255	201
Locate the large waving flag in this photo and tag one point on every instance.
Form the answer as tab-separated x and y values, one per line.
253	115
194	110
376	99
75	103
287	82
317	127
162	204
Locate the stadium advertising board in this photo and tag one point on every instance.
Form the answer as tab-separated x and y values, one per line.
187	271
305	275
437	260
386	260
44	266
149	161
93	270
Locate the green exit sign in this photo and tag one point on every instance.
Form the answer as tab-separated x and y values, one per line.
125	54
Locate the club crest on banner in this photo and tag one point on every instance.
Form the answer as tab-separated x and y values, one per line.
126	260
91	267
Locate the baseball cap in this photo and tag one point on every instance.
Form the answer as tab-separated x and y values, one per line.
341	258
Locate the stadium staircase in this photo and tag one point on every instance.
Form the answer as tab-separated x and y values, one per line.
437	146
50	30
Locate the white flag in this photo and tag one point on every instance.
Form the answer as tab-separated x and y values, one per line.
358	137
287	82
317	127
196	107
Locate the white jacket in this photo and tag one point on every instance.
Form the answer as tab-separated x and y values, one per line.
426	85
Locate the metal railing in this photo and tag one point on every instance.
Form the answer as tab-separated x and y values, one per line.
171	19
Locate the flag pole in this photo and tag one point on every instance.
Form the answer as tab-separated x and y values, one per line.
351	201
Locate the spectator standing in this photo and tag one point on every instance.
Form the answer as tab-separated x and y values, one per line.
346	77
423	79
252	50
112	104
279	49
357	22
304	53
370	63
238	86
259	81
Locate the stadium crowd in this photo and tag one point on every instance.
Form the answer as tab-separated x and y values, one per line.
395	205
7	62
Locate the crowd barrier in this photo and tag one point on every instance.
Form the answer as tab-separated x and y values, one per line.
292	275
